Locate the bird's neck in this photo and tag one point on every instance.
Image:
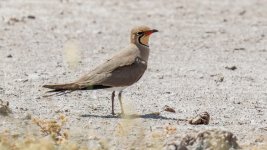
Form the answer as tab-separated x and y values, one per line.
142	44
144	40
143	51
140	40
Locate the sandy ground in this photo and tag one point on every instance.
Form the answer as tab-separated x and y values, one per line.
186	71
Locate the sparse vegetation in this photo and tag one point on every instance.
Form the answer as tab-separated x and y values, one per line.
8	141
54	136
53	128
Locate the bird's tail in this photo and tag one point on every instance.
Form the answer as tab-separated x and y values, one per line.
73	87
63	87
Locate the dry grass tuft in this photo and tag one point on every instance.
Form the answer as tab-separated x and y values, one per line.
54	137
53	128
11	142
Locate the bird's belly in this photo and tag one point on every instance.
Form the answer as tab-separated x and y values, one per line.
125	76
116	88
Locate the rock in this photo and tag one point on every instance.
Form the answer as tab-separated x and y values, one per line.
239	49
231	68
242	12
210	139
31	17
28	116
9	56
202	118
168	109
215	139
188	140
217	77
176	147
4	108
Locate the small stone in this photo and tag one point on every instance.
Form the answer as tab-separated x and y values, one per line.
231	68
23	109
202	118
176	147
31	17
9	56
242	12
4	108
239	49
28	116
218	77
188	140
168	109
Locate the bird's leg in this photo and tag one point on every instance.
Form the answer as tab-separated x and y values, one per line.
122	110
112	103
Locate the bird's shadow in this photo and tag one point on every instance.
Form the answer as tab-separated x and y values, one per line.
131	116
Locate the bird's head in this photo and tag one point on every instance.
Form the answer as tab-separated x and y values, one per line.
140	35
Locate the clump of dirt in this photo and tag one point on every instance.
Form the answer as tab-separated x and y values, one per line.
169	109
202	118
231	67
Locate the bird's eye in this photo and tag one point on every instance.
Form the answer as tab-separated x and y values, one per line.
139	33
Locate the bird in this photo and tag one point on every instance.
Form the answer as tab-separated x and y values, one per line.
123	69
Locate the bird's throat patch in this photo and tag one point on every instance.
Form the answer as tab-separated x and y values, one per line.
144	40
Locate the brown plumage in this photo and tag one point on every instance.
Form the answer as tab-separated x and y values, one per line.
63	87
122	70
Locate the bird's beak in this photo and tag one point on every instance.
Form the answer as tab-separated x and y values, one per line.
154	30
151	31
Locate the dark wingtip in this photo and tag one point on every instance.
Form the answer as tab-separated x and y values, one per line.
49	86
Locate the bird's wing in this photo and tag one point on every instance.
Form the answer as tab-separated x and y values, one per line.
114	66
125	75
